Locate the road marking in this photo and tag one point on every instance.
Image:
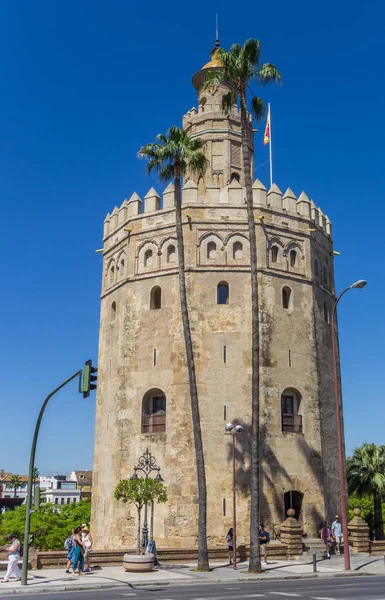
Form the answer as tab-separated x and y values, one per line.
128	594
321	598
230	597
287	594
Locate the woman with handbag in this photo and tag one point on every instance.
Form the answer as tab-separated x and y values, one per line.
87	543
78	552
326	537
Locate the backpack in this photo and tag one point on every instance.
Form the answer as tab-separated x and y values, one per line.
68	544
21	551
267	534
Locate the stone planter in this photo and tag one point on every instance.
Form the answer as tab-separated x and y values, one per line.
138	563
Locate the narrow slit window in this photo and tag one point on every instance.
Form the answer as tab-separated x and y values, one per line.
224	354
171	254
148	258
237	250
156	298
223	293
274	254
113	311
293	258
326	312
286	293
211	250
224	506
289	358
225	412
154	357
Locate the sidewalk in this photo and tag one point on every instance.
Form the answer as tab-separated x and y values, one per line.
55	580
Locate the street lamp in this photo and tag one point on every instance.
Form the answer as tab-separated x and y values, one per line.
147	464
343	500
234	430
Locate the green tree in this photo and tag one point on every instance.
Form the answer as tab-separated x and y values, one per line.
15	483
174	155
50	526
366	477
140	491
240	67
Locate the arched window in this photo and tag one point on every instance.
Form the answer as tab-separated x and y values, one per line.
121	268
171	254
113	311
234	176
156	298
274	254
111	276
316	269
286	293
154	412
223	293
211	250
290	407
148	258
324	275
293	258
326	312
237	250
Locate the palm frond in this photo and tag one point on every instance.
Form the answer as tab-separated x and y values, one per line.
213	78
268	73
258	108
252	51
228	101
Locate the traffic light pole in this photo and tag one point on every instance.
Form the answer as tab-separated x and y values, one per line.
24	572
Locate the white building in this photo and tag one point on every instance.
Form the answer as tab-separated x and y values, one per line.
58	490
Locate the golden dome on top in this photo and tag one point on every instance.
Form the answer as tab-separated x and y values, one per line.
214	62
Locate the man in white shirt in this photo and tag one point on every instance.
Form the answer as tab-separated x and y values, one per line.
337	533
13	559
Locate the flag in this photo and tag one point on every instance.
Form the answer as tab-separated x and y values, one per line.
266	137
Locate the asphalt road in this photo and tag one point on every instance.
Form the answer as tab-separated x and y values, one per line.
360	588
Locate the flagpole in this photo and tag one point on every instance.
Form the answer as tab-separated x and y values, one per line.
270	149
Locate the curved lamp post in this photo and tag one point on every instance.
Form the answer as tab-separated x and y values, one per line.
343	500
234	430
147	464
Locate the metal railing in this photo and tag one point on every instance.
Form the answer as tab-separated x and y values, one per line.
155	423
291	423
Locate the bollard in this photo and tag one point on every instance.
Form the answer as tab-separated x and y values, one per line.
314	562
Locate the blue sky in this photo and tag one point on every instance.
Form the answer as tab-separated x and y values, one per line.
83	86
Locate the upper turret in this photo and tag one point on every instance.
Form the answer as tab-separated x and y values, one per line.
220	131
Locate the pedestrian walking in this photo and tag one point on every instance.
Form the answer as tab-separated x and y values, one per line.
264	539
229	540
69	545
87	543
326	538
78	558
337	533
14	551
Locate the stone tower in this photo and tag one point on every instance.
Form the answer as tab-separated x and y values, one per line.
143	393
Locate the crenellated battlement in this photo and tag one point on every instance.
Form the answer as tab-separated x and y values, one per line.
231	196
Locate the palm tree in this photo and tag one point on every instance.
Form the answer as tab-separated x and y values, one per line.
35	479
171	157
240	68
365	472
14	483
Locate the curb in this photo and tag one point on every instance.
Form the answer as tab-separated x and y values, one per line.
31	589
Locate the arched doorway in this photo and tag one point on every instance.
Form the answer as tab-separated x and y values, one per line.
293	499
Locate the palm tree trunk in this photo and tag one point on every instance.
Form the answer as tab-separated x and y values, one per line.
378	522
203	557
255	554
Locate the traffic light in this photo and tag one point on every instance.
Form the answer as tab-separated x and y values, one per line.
89	378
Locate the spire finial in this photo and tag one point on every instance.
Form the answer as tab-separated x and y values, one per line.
217	44
216	32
